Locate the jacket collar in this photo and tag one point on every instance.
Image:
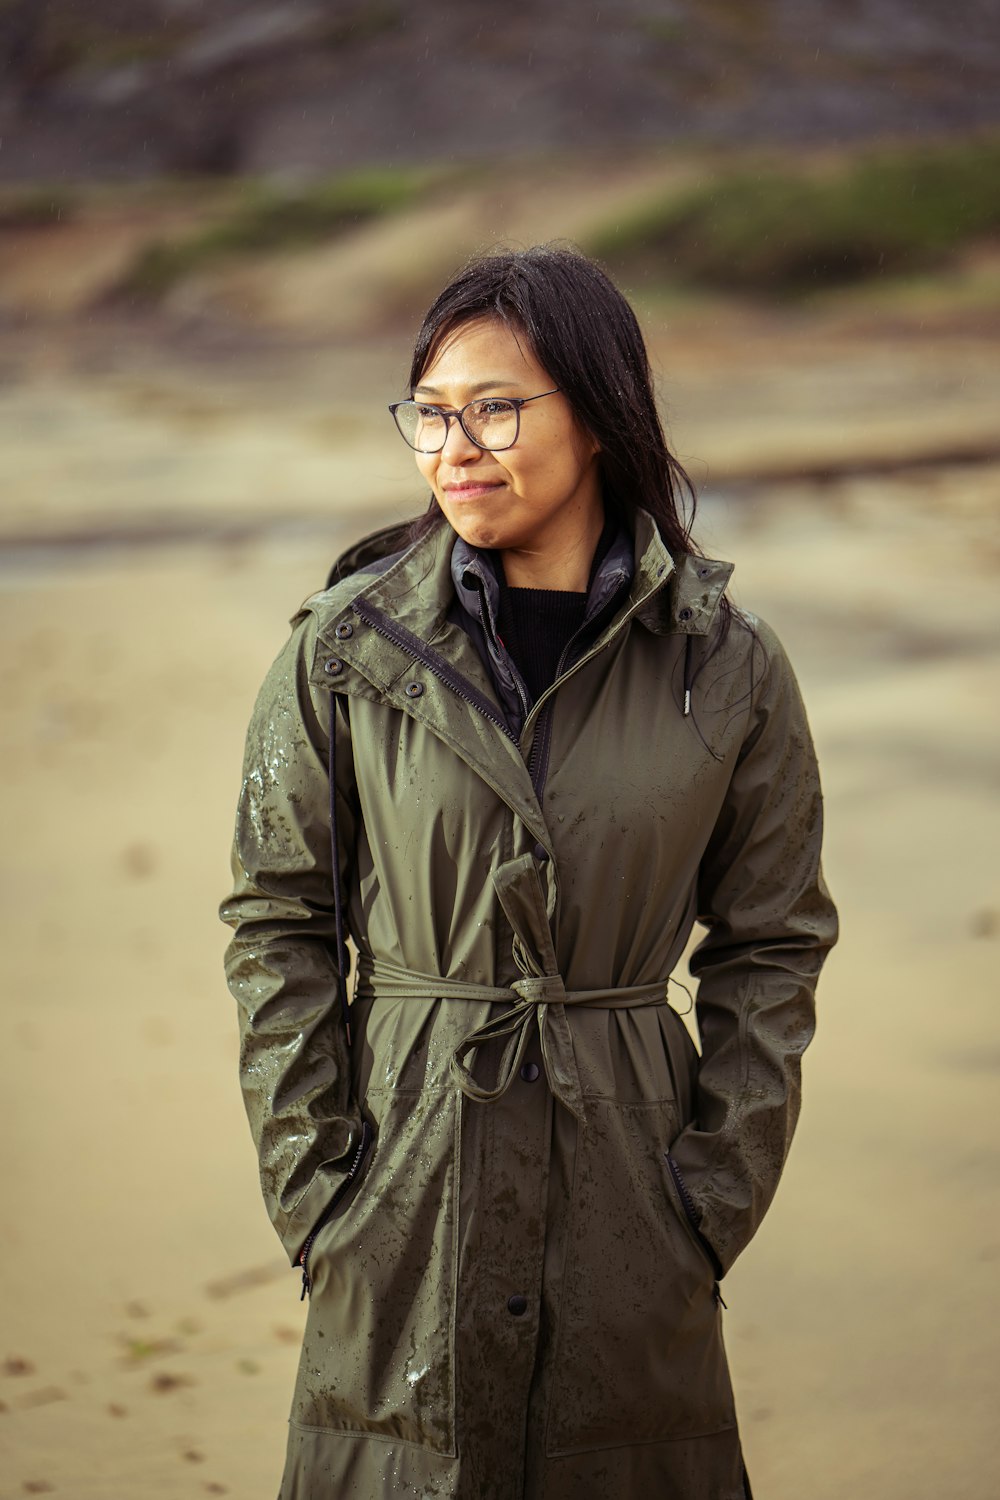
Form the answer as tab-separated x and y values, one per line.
696	585
418	586
477	588
386	633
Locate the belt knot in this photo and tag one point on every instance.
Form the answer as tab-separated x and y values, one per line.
541	989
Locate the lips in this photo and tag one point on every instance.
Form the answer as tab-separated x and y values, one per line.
473	490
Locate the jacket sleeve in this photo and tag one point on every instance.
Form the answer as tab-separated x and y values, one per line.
281	961
770	924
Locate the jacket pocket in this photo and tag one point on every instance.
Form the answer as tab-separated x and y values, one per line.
377	1357
639	1353
344	1188
683	1206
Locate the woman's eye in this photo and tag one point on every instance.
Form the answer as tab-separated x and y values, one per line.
493	408
426	411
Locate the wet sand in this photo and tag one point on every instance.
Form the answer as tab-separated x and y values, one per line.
150	1324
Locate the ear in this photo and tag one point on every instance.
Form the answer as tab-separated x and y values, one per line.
591	446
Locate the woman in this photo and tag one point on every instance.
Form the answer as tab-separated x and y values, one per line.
510	1181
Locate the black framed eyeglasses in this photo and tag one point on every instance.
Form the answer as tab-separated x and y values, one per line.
492	423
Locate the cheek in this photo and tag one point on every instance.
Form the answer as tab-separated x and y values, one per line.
558	461
545	476
427	466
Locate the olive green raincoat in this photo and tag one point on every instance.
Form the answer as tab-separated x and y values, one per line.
519	1185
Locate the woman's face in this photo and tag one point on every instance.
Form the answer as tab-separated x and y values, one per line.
541	498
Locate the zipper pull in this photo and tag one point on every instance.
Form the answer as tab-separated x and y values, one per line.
720	1299
304	1263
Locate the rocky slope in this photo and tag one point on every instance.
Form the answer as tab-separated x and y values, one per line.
129	88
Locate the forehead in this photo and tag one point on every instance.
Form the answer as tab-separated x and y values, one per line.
481	351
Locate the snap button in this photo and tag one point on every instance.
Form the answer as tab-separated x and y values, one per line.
541	854
413	689
517	1305
333	667
530	1071
683	614
344	631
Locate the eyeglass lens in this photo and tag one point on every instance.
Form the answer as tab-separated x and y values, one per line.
491	423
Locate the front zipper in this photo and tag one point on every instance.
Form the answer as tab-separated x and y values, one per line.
413	646
403	640
367	1136
432	661
597	648
534	754
547	700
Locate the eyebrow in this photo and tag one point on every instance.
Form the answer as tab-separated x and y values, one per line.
477	390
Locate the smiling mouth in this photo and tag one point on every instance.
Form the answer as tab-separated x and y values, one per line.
472	490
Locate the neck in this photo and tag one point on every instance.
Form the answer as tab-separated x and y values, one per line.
567	569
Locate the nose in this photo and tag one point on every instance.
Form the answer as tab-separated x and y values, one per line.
459	449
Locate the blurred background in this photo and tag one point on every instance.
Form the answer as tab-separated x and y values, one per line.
219	224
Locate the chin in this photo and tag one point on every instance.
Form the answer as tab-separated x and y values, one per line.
486	537
482	532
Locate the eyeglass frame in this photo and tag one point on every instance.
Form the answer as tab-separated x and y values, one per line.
450	416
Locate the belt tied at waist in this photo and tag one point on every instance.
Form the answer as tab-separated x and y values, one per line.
540	998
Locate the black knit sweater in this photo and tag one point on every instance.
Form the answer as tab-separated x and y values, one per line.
536	626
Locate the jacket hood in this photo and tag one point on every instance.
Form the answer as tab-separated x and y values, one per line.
416	585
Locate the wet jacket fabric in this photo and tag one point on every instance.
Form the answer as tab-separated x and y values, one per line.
520	1183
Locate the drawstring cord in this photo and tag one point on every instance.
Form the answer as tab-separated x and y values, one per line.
343	957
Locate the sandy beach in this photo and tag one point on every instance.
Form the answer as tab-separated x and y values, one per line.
164	513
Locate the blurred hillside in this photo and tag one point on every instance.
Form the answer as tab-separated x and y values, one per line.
220	222
133	88
212	359
910	229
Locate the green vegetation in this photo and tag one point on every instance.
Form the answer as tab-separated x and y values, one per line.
369	21
667	30
786	230
63	36
36	207
269	218
101	49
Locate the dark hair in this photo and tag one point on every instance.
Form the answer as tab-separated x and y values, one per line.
581	328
